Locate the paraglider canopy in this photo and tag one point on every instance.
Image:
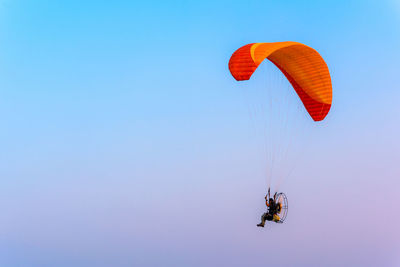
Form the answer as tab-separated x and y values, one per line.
303	67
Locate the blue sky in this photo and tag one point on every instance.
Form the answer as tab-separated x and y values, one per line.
126	142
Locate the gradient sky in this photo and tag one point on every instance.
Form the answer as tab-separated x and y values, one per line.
125	142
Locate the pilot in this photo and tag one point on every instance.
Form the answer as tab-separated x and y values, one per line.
273	210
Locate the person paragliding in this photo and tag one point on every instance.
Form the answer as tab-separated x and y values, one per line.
308	74
274	209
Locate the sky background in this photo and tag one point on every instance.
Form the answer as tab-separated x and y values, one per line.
125	140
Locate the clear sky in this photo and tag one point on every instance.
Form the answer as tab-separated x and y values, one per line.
125	142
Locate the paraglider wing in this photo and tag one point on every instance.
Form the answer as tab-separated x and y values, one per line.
305	69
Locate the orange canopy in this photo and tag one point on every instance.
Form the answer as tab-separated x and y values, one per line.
303	67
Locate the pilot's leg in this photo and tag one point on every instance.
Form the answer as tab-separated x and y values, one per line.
263	219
